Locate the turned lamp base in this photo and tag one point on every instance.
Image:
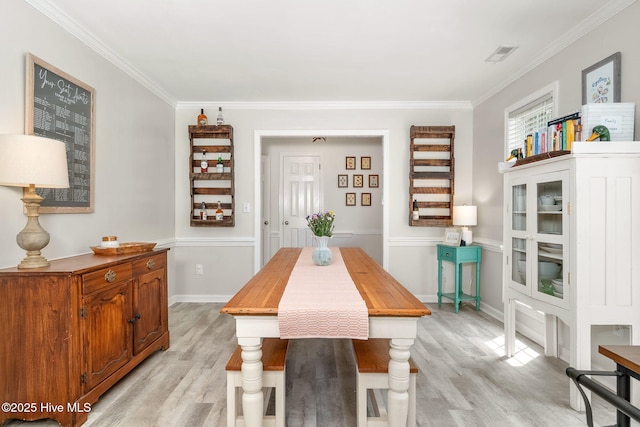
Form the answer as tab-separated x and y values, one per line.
33	237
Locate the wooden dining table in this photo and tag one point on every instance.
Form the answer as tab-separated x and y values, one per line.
393	313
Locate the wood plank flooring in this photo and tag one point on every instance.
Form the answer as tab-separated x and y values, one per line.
463	379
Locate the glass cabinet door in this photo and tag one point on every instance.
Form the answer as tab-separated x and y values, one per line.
538	236
551	244
519	274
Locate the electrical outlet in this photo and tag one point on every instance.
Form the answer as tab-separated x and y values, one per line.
199	269
246	207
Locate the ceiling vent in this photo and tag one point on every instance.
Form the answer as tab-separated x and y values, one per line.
501	53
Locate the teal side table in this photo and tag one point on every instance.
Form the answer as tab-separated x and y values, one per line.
459	255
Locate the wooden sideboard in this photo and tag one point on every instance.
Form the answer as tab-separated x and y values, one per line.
70	331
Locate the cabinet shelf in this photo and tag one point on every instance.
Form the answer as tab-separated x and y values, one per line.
211	186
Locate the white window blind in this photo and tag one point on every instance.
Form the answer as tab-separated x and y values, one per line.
528	119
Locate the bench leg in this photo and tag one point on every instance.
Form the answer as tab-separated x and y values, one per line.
280	399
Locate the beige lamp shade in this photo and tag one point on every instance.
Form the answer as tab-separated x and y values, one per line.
33	160
465	215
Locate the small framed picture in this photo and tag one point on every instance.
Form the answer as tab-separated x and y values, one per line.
373	181
365	199
350	163
365	162
343	181
358	181
452	236
601	81
351	199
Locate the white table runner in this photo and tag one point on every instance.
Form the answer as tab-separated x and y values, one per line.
322	301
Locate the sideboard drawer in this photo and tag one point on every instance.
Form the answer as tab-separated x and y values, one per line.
152	263
97	280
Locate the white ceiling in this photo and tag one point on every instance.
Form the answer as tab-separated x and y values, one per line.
190	51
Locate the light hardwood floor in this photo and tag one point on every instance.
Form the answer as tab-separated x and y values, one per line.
463	381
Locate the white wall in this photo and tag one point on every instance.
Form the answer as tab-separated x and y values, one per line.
620	33
411	249
134	185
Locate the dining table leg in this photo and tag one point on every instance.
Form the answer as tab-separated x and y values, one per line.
252	396
398	395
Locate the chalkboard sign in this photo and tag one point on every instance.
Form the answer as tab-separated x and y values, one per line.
60	107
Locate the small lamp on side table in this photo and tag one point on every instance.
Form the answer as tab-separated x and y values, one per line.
31	161
465	216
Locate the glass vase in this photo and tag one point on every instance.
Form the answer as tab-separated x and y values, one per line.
322	255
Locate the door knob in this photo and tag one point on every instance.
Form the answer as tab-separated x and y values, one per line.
266	223
286	223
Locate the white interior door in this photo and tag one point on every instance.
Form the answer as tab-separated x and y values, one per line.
301	196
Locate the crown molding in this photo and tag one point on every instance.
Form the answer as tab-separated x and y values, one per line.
329	105
609	10
47	8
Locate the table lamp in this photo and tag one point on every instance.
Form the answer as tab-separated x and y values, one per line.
31	161
465	216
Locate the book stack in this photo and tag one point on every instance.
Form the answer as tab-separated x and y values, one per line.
559	135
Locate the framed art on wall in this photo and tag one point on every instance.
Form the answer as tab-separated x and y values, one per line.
365	199
343	181
373	181
358	181
601	81
350	162
351	199
452	236
365	162
60	107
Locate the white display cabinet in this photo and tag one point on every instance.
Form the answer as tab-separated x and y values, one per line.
572	246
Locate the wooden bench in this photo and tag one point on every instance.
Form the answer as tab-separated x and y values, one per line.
372	373
274	354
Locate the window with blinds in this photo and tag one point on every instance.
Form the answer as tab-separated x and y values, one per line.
527	119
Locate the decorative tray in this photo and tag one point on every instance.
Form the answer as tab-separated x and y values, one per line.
124	248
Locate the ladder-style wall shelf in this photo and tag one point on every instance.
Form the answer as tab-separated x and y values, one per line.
211	187
431	175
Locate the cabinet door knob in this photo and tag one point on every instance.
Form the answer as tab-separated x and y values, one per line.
150	264
134	318
110	276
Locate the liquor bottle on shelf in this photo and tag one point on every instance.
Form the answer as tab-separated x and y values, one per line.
202	118
220	118
203	211
204	164
219	212
220	165
416	210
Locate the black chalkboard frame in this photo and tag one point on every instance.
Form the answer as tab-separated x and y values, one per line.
65	84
